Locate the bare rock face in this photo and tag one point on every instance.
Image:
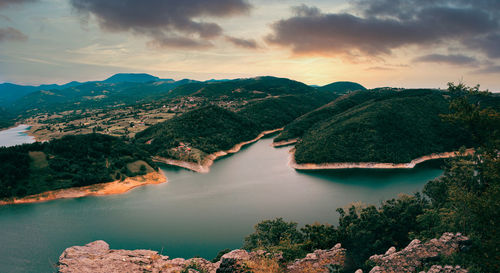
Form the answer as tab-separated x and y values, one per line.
241	261
320	261
416	253
96	257
446	269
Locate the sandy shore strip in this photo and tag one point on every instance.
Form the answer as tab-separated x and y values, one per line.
115	187
209	160
284	142
371	165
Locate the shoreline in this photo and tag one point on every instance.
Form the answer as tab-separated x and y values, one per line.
101	189
210	159
371	165
284	143
31	132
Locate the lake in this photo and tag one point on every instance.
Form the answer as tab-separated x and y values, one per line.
15	136
194	214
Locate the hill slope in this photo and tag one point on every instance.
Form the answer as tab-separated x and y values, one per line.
72	161
258	87
342	87
131	77
194	134
379	126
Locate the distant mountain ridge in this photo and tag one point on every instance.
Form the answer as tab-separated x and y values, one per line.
342	87
132	77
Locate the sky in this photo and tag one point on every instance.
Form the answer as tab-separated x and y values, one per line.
397	43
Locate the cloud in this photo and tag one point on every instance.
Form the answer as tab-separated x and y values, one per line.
492	69
6	3
245	43
169	23
453	59
11	34
385	25
489	44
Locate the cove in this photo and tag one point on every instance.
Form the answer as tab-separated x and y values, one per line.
15	136
195	214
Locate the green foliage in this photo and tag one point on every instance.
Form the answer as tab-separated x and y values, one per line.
277	236
298	127
209	129
387	126
276	112
73	161
220	254
252	88
342	87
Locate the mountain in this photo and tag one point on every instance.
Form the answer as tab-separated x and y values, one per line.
342	87
276	112
94	95
193	135
251	88
376	126
10	92
132	77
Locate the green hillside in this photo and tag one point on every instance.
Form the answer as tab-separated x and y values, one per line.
194	134
251	88
385	126
342	87
72	161
299	126
276	112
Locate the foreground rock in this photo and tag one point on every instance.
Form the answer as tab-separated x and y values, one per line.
416	254
320	261
96	257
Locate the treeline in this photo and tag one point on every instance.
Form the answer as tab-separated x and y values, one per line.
71	161
465	199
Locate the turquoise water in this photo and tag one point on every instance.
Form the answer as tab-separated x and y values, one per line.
195	214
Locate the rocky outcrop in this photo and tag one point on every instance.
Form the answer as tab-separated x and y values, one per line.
320	261
417	254
96	257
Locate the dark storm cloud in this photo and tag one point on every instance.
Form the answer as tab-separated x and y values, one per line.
168	22
245	43
163	41
11	34
489	44
454	59
385	25
5	3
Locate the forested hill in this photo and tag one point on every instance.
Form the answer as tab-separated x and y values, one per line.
259	87
93	95
193	135
377	126
341	87
72	161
